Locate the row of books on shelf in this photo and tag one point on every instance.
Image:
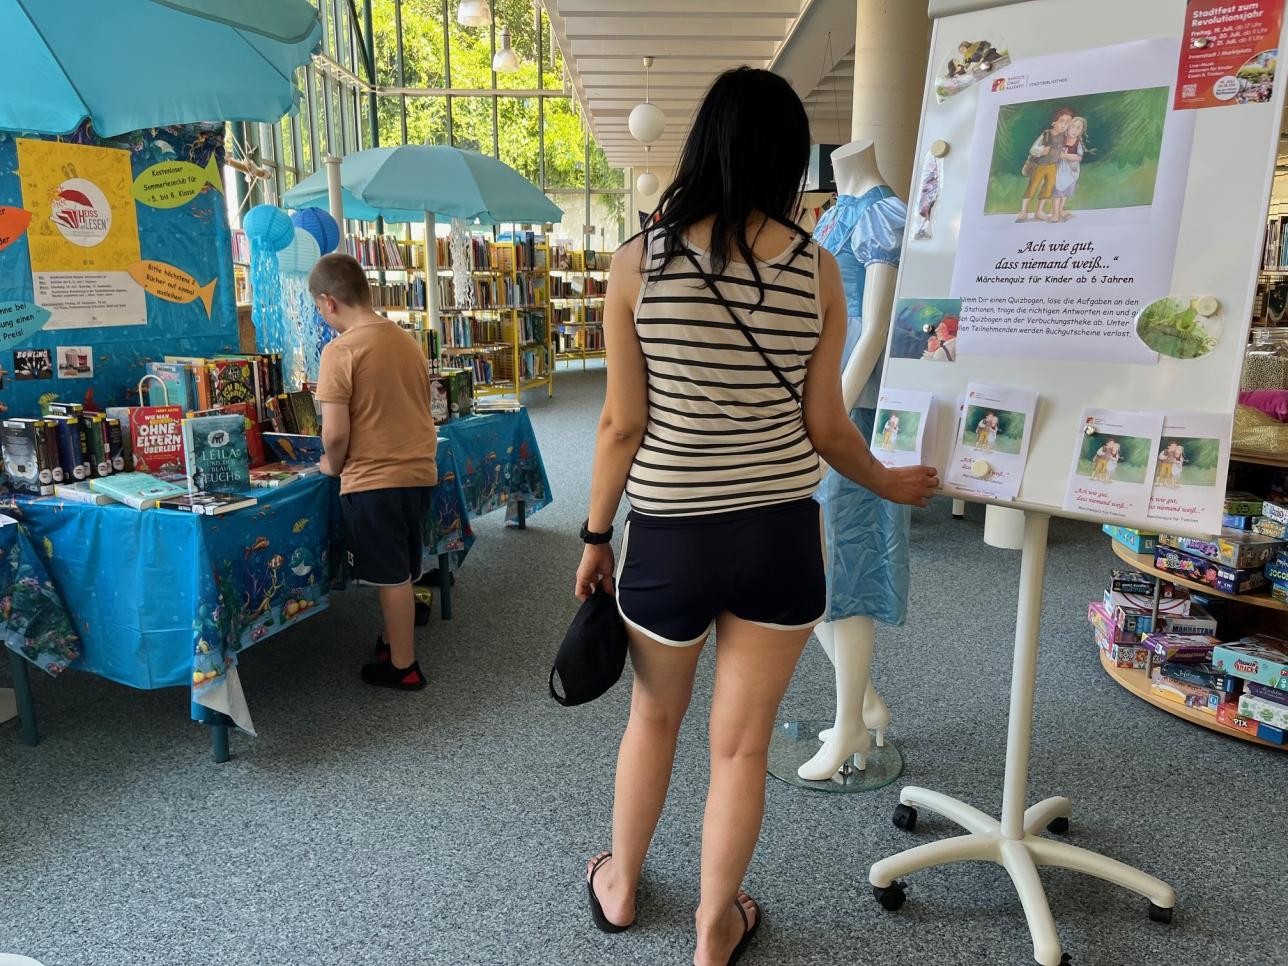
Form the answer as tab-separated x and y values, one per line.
147	456
531	327
241	285
577	287
579	340
481	254
497	293
565	259
241	247
194	383
530	252
383	251
577	314
399	295
1153	625
467	331
1274	257
479	367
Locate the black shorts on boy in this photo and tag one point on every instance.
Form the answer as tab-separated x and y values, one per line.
385	533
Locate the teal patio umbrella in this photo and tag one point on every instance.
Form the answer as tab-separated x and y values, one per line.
408	182
403	182
132	64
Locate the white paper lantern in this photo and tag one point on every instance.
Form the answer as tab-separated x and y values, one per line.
646	123
646	184
299	257
474	13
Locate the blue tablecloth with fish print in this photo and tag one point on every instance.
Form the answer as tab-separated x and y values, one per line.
161	598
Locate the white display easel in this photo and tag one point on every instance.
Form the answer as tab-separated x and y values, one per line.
1218	253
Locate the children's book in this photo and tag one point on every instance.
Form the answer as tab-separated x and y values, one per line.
280	474
21	444
156	439
200	377
48	451
73	448
232	381
295	448
275	418
216	457
80	493
122	449
100	452
304	412
208	504
173	385
254	437
138	490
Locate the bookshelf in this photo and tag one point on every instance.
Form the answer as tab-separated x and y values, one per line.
577	284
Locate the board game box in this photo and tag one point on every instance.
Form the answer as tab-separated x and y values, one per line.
1260	658
1234	548
1227	579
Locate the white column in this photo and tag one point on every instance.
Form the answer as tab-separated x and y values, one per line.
892	42
335	198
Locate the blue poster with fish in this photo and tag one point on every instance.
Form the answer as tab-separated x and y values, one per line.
184	275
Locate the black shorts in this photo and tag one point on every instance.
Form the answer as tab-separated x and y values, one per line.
385	528
764	565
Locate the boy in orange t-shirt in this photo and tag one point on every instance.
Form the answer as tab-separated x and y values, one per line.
379	438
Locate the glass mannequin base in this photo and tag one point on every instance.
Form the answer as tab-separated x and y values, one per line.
796	742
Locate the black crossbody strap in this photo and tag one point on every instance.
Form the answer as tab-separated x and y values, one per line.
711	284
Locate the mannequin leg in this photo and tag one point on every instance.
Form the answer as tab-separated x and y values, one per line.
852	642
876	715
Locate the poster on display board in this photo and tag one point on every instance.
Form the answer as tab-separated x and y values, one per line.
1073	206
84	234
1230	53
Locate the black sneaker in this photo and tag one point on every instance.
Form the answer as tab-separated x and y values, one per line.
383	653
383	674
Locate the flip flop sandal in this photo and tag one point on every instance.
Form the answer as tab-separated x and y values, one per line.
749	930
596	910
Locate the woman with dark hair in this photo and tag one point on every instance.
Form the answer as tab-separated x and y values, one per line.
724	326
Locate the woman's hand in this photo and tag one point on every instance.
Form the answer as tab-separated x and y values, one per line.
596	570
910	485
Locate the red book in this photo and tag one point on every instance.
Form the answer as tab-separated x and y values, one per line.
157	438
254	441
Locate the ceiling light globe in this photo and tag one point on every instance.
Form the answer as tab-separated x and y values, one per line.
646	123
646	184
474	13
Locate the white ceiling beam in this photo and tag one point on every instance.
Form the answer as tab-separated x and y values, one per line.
678	8
670	49
725	28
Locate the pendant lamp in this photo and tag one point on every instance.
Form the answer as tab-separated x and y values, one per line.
474	13
506	60
646	183
646	121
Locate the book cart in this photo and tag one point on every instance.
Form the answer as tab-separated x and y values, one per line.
578	281
1053	318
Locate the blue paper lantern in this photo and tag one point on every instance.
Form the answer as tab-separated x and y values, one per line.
320	225
299	257
269	226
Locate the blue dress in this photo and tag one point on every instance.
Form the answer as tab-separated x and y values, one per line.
867	537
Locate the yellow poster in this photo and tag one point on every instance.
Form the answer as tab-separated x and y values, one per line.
84	233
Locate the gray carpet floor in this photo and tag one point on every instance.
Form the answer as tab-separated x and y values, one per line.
451	826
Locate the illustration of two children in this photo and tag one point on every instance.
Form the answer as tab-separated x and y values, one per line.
1171	460
1105	462
1053	167
986	433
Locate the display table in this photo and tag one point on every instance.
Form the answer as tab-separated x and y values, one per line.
162	598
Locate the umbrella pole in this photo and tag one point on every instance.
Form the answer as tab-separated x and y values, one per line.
431	279
335	200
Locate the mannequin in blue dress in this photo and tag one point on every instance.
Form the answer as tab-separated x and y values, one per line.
867	537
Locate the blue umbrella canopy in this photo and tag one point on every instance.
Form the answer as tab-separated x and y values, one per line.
132	64
403	182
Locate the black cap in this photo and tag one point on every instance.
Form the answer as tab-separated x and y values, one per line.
593	652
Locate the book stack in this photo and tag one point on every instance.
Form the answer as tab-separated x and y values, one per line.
272	475
194	383
1261	663
294	413
141	491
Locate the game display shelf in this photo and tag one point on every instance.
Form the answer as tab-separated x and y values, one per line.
1137	680
577	285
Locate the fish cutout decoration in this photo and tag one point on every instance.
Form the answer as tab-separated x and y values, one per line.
19	321
13	222
172	284
172	184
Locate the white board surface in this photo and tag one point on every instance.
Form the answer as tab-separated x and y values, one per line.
1218	242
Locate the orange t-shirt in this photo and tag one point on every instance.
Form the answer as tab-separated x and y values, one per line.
379	372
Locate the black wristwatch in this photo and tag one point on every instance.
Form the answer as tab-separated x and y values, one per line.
595	539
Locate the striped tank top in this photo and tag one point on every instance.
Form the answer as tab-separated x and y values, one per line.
723	433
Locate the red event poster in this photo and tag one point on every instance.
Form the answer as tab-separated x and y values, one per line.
1229	52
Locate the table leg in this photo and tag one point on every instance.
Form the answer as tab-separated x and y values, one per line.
522	508
22	696
445	586
219	736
